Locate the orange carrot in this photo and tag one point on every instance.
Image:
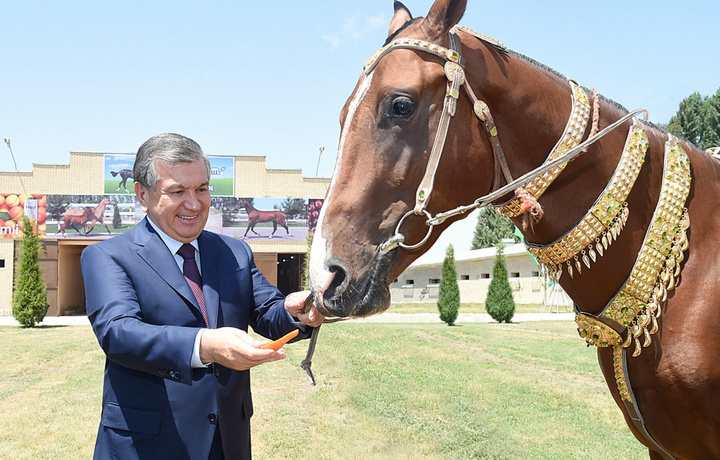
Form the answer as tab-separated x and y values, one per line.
276	345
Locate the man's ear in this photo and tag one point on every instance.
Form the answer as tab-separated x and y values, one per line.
142	194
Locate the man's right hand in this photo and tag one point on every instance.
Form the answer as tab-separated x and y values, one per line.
235	349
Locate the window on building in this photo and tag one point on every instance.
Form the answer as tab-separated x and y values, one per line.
2	264
484	276
409	282
536	274
514	274
434	281
464	277
396	280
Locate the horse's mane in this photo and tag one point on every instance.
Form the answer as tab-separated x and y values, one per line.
605	99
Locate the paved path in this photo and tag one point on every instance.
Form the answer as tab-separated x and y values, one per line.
382	318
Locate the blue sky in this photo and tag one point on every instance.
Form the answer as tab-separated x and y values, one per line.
270	78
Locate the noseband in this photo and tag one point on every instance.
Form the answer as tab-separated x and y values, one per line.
541	176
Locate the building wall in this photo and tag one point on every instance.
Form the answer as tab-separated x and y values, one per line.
84	176
420	283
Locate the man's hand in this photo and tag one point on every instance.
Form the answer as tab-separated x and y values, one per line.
234	349
295	304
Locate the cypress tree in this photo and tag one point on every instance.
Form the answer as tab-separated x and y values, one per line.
29	299
499	303
449	295
117	219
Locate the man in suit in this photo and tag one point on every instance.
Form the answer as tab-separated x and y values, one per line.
170	305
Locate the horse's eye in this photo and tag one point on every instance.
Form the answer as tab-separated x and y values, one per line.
403	107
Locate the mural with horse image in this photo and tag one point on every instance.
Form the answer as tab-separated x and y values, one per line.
444	120
284	219
118	174
91	216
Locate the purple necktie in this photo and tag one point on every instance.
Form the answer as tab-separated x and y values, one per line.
192	275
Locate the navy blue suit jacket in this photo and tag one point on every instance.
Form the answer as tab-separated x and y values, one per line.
146	318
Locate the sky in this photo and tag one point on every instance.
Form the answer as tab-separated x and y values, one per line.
270	78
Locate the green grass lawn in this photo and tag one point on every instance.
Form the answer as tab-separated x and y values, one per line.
401	391
464	308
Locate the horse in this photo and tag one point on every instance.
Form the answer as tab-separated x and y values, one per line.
98	214
255	216
442	115
76	218
125	174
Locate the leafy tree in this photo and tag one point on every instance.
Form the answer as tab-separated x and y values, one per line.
117	220
491	228
499	303
449	295
29	299
698	120
294	207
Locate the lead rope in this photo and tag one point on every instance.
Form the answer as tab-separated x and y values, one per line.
306	364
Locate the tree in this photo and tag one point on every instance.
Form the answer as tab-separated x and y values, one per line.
117	220
294	207
449	295
499	303
491	228
698	120
29	299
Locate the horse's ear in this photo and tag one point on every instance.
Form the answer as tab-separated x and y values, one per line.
401	16
443	15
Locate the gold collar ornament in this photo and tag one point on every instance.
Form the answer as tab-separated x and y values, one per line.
635	309
604	221
571	137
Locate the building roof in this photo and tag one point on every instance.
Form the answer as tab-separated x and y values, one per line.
516	249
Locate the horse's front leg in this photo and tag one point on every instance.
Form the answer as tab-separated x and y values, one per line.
274	229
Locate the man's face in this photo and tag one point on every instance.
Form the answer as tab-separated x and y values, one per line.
180	203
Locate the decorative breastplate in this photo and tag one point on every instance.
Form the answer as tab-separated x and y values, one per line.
635	309
602	224
571	137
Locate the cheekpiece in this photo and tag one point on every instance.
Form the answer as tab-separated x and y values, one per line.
595	232
571	137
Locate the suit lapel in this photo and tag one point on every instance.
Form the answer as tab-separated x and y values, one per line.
210	263
154	252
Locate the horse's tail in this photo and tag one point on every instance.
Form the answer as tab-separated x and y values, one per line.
114	173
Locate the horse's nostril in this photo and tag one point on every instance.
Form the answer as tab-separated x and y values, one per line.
336	286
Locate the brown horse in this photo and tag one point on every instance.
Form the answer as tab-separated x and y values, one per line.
99	214
255	216
76	218
598	223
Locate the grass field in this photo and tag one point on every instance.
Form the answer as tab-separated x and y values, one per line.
430	307
385	391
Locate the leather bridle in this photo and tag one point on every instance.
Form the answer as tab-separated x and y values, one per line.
455	73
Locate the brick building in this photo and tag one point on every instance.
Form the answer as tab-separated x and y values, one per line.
92	182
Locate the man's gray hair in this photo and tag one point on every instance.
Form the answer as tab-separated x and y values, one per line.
170	148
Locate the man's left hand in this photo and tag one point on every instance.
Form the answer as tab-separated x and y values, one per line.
295	304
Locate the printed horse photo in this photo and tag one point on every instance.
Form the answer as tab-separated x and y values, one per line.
76	218
80	217
125	174
255	216
99	214
444	120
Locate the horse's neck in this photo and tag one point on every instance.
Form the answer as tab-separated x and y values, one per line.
575	191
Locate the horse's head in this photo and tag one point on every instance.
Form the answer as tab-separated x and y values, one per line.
388	129
241	204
